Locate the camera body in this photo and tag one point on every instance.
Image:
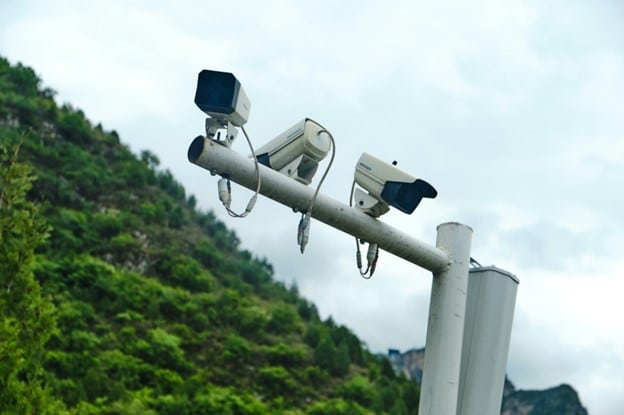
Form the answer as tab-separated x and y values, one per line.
389	185
297	151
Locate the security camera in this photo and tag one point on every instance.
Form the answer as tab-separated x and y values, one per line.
297	151
387	185
220	95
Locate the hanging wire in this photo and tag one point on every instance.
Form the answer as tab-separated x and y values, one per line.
225	188
373	250
303	230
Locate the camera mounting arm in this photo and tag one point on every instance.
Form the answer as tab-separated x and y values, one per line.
216	158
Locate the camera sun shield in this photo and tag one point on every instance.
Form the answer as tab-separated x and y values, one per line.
391	185
220	95
407	196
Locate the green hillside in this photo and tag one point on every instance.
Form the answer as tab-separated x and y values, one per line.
119	296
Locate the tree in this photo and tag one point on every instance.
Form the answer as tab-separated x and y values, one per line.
411	396
284	320
312	335
26	316
325	353
360	389
386	368
341	362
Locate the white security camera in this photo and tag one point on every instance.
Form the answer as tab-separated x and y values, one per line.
387	185
297	151
220	95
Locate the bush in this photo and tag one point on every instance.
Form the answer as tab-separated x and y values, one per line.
284	320
275	382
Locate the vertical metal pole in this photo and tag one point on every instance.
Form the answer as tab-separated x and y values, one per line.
440	385
487	330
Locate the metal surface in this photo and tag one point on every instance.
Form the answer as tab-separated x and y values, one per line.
489	316
218	159
440	384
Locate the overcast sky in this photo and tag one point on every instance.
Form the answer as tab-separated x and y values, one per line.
512	110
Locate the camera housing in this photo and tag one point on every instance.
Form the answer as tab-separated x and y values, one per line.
389	185
297	151
221	96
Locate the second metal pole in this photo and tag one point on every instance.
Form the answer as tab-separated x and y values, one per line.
440	385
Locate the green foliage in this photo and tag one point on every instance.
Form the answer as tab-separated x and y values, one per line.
307	310
237	349
184	271
132	301
288	356
341	362
325	353
337	407
331	357
165	349
361	390
411	396
276	381
386	369
26	315
284	320
223	400
313	335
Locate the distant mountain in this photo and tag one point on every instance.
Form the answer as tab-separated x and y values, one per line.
560	400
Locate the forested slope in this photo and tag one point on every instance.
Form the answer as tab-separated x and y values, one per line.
119	296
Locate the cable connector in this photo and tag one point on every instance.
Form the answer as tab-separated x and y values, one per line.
251	204
224	185
371	257
371	254
358	258
225	192
303	231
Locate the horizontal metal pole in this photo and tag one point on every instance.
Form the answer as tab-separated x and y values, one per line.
223	161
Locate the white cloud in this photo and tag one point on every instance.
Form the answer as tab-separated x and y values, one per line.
122	65
586	348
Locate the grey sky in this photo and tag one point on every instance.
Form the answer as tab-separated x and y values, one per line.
512	110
